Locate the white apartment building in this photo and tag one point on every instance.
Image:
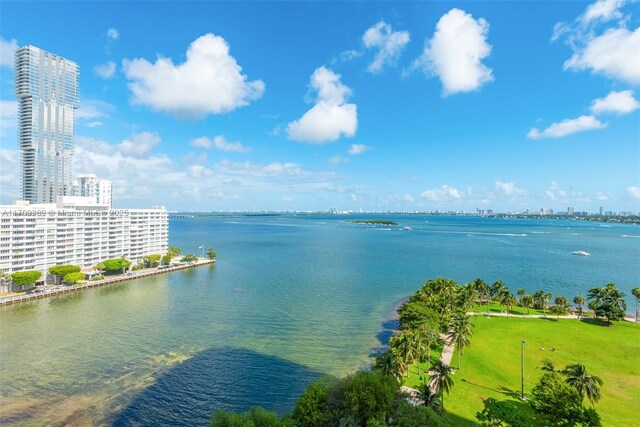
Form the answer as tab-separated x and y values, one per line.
90	186
77	231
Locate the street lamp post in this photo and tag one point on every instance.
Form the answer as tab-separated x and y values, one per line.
522	343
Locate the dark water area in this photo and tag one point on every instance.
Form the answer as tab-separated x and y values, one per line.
217	378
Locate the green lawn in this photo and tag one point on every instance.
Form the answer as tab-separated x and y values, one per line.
491	366
494	307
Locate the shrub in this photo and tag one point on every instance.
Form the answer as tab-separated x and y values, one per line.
97	277
116	265
73	278
60	271
189	258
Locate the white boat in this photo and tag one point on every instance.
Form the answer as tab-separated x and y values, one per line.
582	253
407	228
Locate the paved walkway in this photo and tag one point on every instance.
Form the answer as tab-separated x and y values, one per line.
445	357
537	316
49	292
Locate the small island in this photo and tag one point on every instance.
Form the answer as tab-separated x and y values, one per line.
373	221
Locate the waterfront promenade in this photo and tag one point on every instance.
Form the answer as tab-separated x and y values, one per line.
14	299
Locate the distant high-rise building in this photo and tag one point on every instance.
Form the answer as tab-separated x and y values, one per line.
571	210
47	89
99	189
601	210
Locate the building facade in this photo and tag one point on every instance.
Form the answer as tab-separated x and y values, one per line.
99	189
46	86
78	232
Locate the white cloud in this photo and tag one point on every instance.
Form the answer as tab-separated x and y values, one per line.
634	192
7	49
140	144
287	168
9	176
445	193
105	71
210	81
556	192
219	143
455	52
331	117
339	159
408	198
613	54
113	33
389	45
94	124
567	127
356	149
195	182
509	189
602	197
8	117
348	55
198	170
93	109
615	102
602	10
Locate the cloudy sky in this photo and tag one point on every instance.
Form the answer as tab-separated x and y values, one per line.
399	106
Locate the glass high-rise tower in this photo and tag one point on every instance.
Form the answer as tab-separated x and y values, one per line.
47	89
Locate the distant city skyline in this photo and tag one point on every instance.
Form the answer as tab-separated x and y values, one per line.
381	106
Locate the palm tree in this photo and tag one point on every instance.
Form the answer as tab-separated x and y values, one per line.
386	365
460	334
562	301
429	335
434	341
495	289
608	302
595	297
586	385
636	293
420	341
440	379
541	301
399	361
521	292
527	301
547	365
507	299
483	290
579	301
428	396
466	298
403	347
510	301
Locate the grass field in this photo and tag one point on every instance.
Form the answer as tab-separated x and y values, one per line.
494	307
491	366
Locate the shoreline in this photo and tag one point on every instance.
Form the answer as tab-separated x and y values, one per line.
106	281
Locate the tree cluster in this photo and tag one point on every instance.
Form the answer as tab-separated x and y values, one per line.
60	271
362	399
25	278
607	302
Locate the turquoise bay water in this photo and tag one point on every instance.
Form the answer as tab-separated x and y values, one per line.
290	298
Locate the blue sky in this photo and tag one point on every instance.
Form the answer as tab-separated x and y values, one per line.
311	105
